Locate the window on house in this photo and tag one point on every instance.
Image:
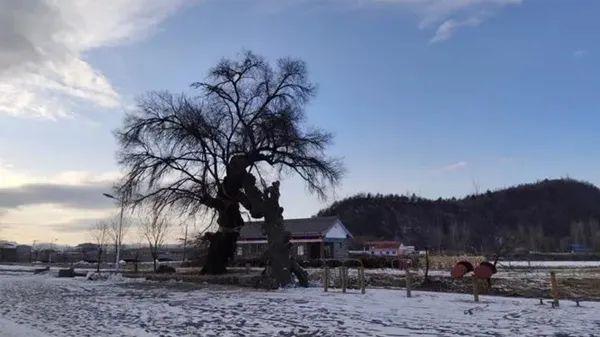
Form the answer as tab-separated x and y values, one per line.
300	250
240	250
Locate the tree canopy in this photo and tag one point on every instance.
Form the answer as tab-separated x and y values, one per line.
178	149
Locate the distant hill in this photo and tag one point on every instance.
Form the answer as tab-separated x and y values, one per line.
549	215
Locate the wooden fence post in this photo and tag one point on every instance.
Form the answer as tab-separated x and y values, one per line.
326	279
346	277
475	289
361	277
408	283
554	289
344	271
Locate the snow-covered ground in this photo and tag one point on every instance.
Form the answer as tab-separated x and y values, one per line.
42	305
550	264
11	329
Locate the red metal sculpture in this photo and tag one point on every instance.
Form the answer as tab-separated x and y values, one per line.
461	268
484	270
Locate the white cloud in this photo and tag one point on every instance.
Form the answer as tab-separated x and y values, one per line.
58	205
42	71
84	178
458	166
580	53
77	189
43	222
12	177
445	17
449	27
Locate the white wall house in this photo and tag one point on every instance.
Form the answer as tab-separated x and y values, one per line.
311	238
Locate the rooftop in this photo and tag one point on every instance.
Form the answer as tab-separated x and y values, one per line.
305	227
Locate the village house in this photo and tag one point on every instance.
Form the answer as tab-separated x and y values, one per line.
311	238
387	248
8	251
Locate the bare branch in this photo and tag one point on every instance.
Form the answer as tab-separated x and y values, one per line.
179	151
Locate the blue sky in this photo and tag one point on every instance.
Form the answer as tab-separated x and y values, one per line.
437	98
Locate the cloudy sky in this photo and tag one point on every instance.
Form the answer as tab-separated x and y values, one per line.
433	97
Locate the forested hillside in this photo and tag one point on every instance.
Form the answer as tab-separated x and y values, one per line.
549	215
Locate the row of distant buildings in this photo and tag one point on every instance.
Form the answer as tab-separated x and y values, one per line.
12	252
311	238
85	252
317	238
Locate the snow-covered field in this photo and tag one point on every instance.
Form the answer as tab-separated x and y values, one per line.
42	305
550	264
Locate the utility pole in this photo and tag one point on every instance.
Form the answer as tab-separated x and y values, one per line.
119	231
185	237
51	251
31	251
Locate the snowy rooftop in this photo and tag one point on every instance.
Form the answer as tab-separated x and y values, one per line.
316	226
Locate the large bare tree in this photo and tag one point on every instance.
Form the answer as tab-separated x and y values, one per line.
204	151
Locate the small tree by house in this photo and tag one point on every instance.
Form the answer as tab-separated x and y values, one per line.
100	235
154	229
116	232
184	228
137	245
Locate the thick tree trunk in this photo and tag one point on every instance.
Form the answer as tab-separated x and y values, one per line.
280	264
260	204
220	251
222	243
278	250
